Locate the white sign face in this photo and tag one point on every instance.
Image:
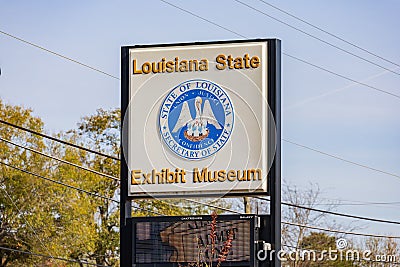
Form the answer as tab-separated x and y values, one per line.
197	120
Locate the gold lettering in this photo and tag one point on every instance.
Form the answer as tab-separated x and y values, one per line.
221	60
255	174
238	63
161	177
246	60
170	66
135	175
176	64
197	178
195	64
156	67
135	70
147	178
212	178
243	178
231	175
146	68
255	62
203	65
222	175
163	64
230	59
182	175
171	176
183	66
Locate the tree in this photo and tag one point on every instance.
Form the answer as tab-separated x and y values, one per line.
385	252
309	197
37	215
25	209
319	250
101	132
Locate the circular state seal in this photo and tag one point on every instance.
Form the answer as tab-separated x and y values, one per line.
196	119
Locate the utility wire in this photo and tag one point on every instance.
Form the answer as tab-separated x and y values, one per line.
57	140
147	210
286	54
329	33
114	158
194	201
59	183
58	54
362	204
338	231
207	20
315	37
342	76
340	158
73	187
51	257
284	203
26	221
222	27
332	212
297	224
306	147
60	160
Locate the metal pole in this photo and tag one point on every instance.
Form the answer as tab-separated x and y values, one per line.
274	100
247	205
125	204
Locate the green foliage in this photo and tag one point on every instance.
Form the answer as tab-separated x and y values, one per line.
25	209
324	248
46	218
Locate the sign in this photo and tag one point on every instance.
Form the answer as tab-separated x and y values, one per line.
198	120
168	240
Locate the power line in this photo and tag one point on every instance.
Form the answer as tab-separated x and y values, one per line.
297	224
73	187
147	210
58	182
342	76
313	98
58	140
315	37
286	54
334	213
338	231
26	221
225	209
329	33
58	54
227	29
285	140
60	160
284	203
199	17
222	27
390	204
51	257
210	205
340	158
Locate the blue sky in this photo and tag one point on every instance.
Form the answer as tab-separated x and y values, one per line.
318	109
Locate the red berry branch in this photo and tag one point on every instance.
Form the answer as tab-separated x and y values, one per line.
226	248
213	234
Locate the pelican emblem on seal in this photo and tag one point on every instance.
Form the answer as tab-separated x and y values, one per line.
196	119
196	128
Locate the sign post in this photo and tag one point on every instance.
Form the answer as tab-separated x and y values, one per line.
200	120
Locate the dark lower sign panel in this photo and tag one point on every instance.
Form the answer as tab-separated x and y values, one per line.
167	241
